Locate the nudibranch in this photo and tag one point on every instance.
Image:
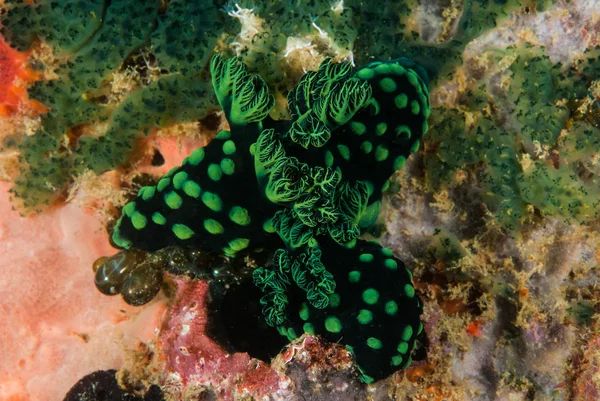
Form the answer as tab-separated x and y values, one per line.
305	189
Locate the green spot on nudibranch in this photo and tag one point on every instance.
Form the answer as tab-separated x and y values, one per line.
223	135
334	300
374	343
291	334
328	158
196	157
365	73
333	324
387	252
370	296
213	226
387	84
409	290
415	108
407	333
309	328
402	347
403	131
381	128
212	201
173	200
366	147
401	101
407	363
399	162
227	166
397	360
268	226
191	189
239	244
381	153
391	308
147	192
138	220
420	328
179	179
229	147
128	209
358	127
182	231
163	183
304	312
365	316
159	219
366	257
344	151
391	264
415	147
354	276
239	215
214	172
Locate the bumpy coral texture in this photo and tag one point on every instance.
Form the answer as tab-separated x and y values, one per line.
305	189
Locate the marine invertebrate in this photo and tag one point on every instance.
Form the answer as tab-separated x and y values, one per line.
304	189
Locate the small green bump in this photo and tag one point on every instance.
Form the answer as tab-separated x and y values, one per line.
191	189
179	179
365	316
291	334
227	166
409	290
239	215
381	153
239	244
407	363
334	300
282	330
354	276
365	73
333	324
182	231
159	219
366	257
396	360
399	162
309	328
370	296
381	128
403	347
214	172
383	68
366	147
387	85
212	201
420	330
147	192
401	101
128	209
410	275
304	312
412	78
163	183
358	127
391	264
268	226
415	147
403	131
398	69
223	135
391	307
344	151
370	187
385	186
387	252
138	220
328	158
171	171
213	226
407	333
196	157
252	148
414	107
173	200
229	147
374	343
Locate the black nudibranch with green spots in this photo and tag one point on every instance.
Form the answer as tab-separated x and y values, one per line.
304	189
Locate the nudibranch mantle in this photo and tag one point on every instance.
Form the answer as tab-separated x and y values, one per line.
304	189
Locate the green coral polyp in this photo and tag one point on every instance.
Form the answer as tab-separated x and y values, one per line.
305	189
